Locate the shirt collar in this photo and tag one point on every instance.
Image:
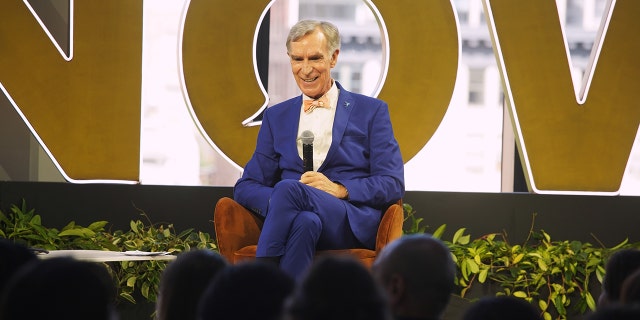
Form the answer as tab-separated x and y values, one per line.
331	95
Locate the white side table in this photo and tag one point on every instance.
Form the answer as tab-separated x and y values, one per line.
106	256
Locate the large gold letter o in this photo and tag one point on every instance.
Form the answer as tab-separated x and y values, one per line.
222	89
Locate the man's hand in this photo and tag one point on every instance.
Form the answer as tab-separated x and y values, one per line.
321	182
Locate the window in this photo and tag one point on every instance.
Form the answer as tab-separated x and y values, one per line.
476	86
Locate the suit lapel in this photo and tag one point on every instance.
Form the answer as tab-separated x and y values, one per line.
292	122
343	111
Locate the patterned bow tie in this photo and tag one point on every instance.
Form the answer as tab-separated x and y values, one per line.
310	105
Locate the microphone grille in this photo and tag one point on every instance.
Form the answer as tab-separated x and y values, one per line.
307	137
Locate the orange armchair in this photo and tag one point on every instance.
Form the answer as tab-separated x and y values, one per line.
237	231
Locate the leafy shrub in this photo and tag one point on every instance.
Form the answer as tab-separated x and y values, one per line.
23	226
556	276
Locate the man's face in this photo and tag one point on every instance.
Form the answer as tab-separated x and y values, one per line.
311	64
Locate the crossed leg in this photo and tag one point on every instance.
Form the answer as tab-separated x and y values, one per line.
301	220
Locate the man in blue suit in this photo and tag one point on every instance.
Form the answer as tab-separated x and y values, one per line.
358	169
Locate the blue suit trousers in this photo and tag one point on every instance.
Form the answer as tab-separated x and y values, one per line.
300	220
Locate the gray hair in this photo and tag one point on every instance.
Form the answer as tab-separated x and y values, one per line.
305	27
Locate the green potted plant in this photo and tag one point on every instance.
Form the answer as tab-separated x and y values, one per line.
558	276
133	278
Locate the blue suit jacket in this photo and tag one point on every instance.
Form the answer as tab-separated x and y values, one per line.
364	157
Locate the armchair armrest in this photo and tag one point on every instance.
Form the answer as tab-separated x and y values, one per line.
235	227
390	225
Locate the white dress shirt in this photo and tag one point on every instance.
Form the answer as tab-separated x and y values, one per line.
320	122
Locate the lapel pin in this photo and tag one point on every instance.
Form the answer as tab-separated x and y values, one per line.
346	104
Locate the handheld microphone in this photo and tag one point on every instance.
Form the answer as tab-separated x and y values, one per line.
307	150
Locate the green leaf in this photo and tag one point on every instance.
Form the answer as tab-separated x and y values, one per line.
591	303
98	225
600	274
464	270
518	258
463	291
145	289
128	297
407	207
131	281
482	277
535	254
416	225
543	265
185	233
438	233
458	234
520	294
36	220
464	240
70	225
543	305
620	245
559	304
71	232
473	266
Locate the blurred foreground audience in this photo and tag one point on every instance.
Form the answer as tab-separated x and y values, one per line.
417	273
338	288
12	257
630	291
253	290
501	308
183	282
616	312
620	265
60	288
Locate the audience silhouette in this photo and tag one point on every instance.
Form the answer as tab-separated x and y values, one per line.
60	288
12	257
417	272
501	308
630	292
615	312
412	278
254	290
620	265
183	282
338	288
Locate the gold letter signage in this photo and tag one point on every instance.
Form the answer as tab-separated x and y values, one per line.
86	111
569	143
